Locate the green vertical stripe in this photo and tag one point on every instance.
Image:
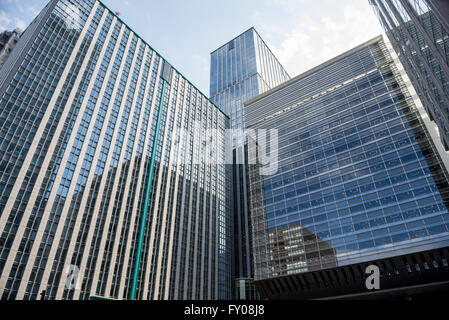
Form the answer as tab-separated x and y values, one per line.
146	205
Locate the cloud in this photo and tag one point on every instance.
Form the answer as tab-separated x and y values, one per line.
19	23
5	21
318	37
33	11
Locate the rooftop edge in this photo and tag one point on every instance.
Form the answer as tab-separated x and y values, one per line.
315	69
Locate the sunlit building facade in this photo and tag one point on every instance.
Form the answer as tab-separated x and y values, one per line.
360	181
104	187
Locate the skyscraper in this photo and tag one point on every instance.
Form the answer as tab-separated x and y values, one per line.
104	187
361	181
240	70
419	33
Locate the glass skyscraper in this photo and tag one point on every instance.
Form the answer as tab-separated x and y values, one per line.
240	70
360	181
104	187
419	33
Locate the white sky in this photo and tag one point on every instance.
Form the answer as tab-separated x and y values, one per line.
301	33
320	30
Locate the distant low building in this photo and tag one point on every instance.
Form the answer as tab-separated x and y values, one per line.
8	40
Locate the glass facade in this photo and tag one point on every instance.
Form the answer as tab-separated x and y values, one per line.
419	33
240	70
359	177
94	126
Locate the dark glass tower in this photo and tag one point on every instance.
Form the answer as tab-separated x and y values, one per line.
419	33
360	181
240	70
105	189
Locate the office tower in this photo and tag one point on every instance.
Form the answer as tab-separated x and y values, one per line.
104	186
240	70
419	33
359	182
8	40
